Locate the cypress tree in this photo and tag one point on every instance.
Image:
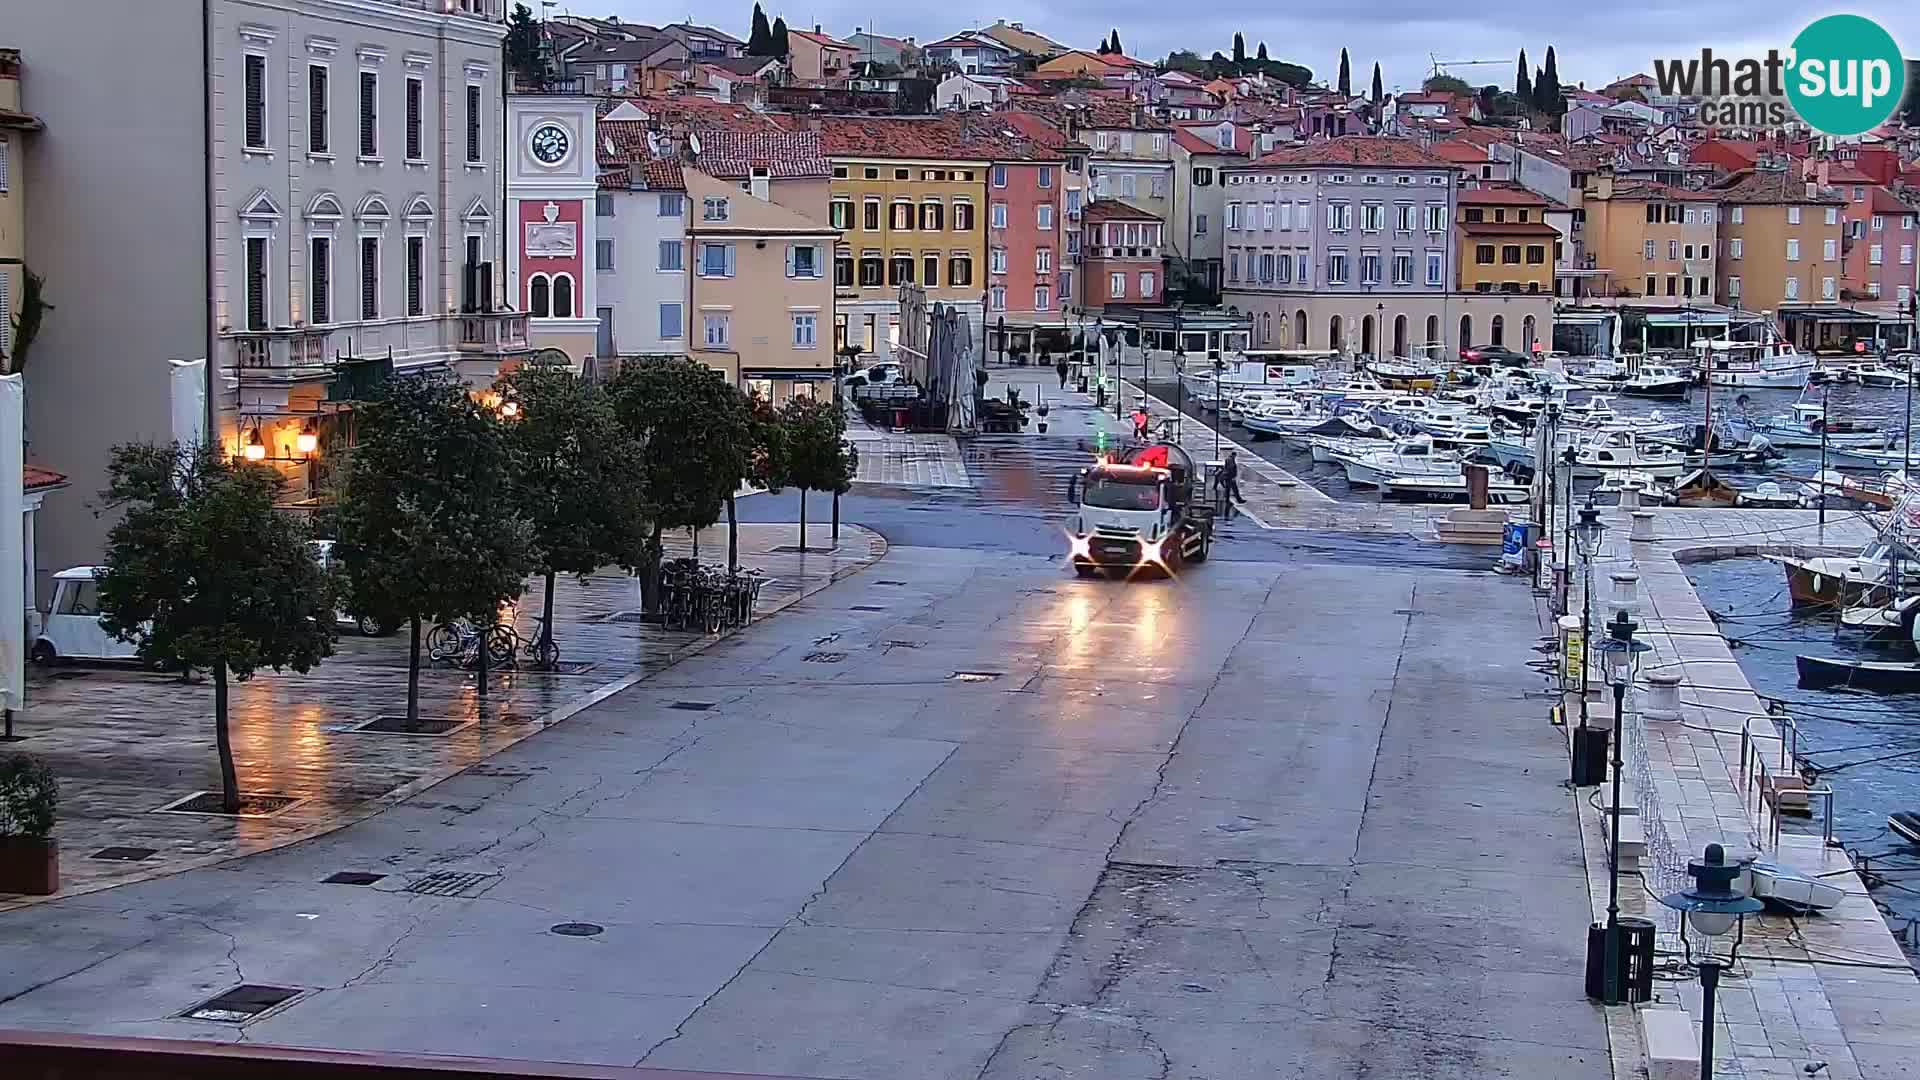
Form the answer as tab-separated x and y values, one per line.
1262	55
780	47
1346	76
1239	48
1548	87
760	37
1378	92
1522	89
1116	50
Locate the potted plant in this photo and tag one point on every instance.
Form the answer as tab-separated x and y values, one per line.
29	856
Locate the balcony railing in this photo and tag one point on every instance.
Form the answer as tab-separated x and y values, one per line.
287	353
494	331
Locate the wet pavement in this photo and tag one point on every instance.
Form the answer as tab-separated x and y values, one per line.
961	815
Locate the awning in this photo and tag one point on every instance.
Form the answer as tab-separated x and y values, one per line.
795	374
1828	315
1687	318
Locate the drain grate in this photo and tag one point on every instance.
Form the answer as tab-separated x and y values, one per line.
242	1003
900	644
885	581
824	657
868	607
430	726
252	805
122	854
577	929
352	877
975	676
453	883
691	706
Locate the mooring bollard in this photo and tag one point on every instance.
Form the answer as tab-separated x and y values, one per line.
1642	526
1626	592
1663	696
1286	492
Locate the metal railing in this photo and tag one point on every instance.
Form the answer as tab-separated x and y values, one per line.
1769	788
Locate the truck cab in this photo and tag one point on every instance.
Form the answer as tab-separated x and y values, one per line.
1139	513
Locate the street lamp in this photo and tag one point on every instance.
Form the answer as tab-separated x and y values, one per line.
1589	743
1621	654
1712	908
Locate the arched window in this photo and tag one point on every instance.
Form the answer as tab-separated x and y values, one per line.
1366	334
1266	328
1300	328
1498	333
1466	331
1433	331
1526	334
537	305
563	296
1399	335
1335	340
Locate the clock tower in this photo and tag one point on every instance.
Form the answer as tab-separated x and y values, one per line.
552	177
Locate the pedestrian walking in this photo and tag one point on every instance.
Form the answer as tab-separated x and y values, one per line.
1060	367
1141	420
1228	481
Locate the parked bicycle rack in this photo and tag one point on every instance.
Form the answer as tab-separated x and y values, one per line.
708	597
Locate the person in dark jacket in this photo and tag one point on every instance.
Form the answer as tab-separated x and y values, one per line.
1229	482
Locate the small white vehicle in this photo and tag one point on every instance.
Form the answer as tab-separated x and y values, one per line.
878	375
73	630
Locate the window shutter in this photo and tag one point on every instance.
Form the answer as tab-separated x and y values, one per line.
369	277
5	145
790	260
317	109
256	104
6	317
473	123
369	114
729	259
414	149
320	274
256	273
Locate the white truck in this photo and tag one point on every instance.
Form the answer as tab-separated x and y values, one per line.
1139	510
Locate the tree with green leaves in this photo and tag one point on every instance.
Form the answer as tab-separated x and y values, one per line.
1239	49
1187	61
523	46
815	455
1346	76
26	322
693	430
1522	86
1446	84
760	35
203	572
782	47
1379	92
1911	113
572	480
429	523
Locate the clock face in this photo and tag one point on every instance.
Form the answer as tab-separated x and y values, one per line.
549	143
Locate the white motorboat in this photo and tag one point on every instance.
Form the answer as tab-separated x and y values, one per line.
1769	496
1285	417
1655	381
1451	488
1802	428
1881	375
1245	401
1875	459
1623	451
1408	457
1357	389
1772	363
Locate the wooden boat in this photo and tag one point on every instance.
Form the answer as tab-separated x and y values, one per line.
1821	673
1769	496
1905	825
1701	488
1846	581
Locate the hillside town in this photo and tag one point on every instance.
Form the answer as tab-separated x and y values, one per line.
550	545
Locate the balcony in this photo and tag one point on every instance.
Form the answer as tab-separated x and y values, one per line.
288	354
493	332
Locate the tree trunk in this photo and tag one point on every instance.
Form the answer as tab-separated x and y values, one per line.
733	536
650	575
229	780
413	669
693	537
546	624
803	519
480	662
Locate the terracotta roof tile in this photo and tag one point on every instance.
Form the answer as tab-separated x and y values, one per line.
36	477
1460	153
1115	210
1775	187
733	155
1511	228
951	137
1358	150
1500	196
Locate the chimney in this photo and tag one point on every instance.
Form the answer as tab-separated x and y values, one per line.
816	28
1825	173
759	182
1019	26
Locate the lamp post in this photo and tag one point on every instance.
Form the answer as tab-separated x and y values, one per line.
1219	369
1622	656
1712	908
1589	764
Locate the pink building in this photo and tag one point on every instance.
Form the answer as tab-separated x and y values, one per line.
1123	257
1879	244
1029	282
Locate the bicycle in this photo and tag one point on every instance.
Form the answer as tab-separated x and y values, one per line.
541	648
459	642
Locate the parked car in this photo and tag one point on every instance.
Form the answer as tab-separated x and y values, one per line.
73	630
878	375
1495	354
367	625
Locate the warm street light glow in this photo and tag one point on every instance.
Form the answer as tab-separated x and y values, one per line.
308	440
510	409
256	450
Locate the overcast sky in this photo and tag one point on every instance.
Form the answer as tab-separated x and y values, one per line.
1596	41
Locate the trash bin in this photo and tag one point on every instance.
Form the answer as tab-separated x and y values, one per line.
1636	960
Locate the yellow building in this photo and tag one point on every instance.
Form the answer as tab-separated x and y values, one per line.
14	126
1506	245
759	295
1780	241
909	199
1653	241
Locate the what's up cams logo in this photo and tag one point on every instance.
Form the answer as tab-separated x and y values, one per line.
1843	75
